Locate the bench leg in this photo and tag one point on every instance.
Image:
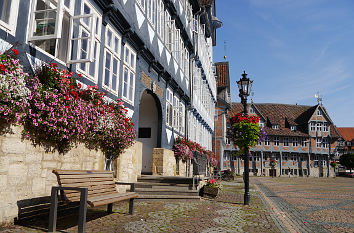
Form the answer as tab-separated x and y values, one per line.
53	210
110	208
131	206
82	211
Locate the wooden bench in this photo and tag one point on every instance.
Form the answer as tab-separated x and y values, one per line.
93	188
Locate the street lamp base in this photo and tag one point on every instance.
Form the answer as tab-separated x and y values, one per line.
246	199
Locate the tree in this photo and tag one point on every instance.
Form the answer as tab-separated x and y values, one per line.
347	160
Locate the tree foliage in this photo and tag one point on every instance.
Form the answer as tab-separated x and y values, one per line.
347	160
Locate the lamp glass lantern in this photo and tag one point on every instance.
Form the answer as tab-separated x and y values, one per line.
244	85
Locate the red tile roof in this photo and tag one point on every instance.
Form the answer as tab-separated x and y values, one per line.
297	115
347	133
222	71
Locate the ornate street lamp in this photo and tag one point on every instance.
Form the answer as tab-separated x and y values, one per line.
244	86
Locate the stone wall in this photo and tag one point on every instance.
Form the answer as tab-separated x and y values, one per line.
164	162
26	171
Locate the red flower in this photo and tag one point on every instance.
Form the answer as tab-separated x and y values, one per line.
79	85
81	92
80	75
15	51
132	124
3	68
71	86
67	97
54	64
67	106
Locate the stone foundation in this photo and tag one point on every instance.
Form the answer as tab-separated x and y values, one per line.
129	164
164	162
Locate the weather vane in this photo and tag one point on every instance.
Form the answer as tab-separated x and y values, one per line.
318	98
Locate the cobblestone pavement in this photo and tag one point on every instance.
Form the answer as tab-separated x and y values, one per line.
309	204
226	213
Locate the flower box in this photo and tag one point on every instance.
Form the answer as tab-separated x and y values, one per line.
211	191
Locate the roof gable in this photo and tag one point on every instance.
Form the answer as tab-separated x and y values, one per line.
347	133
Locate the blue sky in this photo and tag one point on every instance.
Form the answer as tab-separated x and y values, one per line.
292	49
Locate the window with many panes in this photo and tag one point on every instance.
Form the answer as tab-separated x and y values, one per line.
175	112
160	19
181	117
8	15
325	142
129	74
325	127
169	31
276	141
313	126
169	107
267	141
318	126
286	141
303	142
54	29
318	142
111	60
90	65
295	141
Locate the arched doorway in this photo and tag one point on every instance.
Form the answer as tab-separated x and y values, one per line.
149	132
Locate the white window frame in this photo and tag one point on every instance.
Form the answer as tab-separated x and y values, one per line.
295	142
181	117
160	19
276	141
313	126
169	107
285	141
175	113
169	31
318	142
293	128
95	45
114	50
127	65
318	126
303	142
325	143
275	126
58	7
13	15
325	127
267	141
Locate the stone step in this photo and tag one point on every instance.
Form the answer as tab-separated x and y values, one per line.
166	197
164	192
165	179
166	188
151	184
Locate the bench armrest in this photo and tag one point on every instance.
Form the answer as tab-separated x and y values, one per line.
132	185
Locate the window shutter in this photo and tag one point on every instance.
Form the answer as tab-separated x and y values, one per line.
84	41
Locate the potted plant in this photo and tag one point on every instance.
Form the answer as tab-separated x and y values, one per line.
211	188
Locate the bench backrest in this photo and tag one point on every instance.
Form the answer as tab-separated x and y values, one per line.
97	182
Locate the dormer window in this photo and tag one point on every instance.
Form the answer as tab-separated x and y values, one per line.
275	126
293	128
251	110
319	113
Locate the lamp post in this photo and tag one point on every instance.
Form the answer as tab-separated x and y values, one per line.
244	86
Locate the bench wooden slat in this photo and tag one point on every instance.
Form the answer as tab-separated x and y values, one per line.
88	184
80	176
76	196
83	180
79	172
111	200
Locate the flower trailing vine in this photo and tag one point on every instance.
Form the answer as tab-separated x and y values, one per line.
245	131
57	112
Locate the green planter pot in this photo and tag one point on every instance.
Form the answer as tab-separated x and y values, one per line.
210	191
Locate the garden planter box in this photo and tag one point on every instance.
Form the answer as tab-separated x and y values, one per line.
210	191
